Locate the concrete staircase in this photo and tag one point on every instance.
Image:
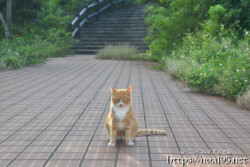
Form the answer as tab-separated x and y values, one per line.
124	25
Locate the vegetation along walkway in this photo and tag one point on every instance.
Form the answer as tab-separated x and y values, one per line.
53	115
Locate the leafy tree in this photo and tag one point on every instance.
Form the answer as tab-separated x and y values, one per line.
22	12
8	21
169	21
26	10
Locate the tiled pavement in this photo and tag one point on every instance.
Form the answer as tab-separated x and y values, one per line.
53	114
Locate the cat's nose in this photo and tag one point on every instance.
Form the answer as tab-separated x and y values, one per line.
120	104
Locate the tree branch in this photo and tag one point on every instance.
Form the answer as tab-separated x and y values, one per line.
5	24
9	18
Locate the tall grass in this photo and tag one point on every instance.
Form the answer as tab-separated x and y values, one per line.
117	52
244	100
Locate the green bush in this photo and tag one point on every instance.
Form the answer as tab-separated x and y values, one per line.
22	52
38	33
11	61
169	21
211	65
204	43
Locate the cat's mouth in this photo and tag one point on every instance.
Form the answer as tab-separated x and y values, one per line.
121	105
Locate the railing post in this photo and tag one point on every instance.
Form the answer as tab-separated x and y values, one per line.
78	19
97	9
111	5
86	15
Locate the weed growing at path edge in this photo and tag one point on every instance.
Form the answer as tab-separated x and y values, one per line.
118	52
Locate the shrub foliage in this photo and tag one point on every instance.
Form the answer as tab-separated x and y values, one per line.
39	30
204	43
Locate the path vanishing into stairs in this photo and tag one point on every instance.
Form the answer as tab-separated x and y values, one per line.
53	114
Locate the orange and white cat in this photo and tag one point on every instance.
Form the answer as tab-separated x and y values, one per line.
121	122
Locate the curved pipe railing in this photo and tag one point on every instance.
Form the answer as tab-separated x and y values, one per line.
78	21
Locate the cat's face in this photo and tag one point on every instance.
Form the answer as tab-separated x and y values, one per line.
121	97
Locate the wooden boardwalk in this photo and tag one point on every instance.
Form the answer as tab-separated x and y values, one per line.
53	115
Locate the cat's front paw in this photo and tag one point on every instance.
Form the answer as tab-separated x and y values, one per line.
130	143
111	144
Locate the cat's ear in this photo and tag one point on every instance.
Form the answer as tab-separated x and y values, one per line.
129	89
112	89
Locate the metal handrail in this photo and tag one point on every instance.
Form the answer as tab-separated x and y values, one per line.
76	21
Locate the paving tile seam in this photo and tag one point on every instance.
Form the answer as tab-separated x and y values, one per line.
26	75
24	70
139	153
145	120
185	114
165	115
39	138
195	128
99	121
218	126
46	107
228	116
119	142
51	121
37	92
61	141
31	94
45	96
34	80
54	74
43	72
207	117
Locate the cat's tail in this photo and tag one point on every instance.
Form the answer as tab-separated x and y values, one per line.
148	132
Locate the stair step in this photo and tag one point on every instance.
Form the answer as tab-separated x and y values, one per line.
115	34
127	14
90	42
110	35
116	39
110	26
124	25
122	30
122	20
94	51
118	22
124	17
104	43
101	47
86	51
83	45
89	39
114	17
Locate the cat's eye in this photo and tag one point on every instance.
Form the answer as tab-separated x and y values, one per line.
116	100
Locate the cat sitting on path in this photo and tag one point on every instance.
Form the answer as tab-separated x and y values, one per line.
121	122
